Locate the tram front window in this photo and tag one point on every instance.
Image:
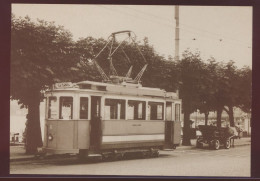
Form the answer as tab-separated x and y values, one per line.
83	114
136	110
66	107
168	111
52	105
155	110
177	112
114	109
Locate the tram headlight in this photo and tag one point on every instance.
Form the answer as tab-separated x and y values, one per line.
50	137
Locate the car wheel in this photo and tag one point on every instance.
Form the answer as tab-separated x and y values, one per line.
227	144
216	144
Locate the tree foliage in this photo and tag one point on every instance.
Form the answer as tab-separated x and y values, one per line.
212	86
41	54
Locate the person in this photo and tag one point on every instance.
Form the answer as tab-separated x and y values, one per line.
239	130
231	133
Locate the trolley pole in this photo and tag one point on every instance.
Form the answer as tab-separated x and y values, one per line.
177	31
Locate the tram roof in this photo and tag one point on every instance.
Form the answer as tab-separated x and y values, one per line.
122	88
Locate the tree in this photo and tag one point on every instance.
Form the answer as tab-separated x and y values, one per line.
211	96
230	90
41	54
86	49
238	90
191	68
245	89
228	87
218	88
207	88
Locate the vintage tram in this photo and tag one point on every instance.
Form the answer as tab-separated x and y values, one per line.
95	117
116	115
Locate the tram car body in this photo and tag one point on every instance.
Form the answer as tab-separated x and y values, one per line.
96	117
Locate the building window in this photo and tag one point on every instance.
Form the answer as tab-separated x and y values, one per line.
177	112
83	112
136	110
52	108
66	108
156	110
114	109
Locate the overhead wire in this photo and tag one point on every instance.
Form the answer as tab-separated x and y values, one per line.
220	36
198	33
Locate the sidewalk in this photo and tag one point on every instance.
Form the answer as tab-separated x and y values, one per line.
17	153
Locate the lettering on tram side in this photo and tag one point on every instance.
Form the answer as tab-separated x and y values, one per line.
136	125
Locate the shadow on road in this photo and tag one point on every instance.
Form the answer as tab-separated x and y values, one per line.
73	160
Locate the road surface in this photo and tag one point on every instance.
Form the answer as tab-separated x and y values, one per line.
234	162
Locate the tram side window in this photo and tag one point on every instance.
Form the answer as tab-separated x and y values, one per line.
114	109
136	110
52	108
155	110
83	114
177	112
66	107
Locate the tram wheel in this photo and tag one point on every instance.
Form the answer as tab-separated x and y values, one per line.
105	157
119	156
146	154
108	157
199	145
155	153
83	154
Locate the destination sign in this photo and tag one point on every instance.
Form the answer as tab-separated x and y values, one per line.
63	85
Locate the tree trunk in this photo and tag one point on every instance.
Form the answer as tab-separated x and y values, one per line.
219	112
206	118
186	128
231	116
33	133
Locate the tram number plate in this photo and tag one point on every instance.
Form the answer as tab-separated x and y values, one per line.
136	125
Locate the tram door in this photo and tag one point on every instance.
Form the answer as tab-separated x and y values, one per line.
168	124
95	122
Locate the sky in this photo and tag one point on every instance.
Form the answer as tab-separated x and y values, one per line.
222	32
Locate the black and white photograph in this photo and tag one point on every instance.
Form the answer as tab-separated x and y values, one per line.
130	90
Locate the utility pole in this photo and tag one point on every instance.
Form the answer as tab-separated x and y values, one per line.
177	30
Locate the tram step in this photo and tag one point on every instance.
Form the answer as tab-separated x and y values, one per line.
94	155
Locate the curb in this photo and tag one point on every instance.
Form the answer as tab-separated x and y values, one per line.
21	159
193	147
38	158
